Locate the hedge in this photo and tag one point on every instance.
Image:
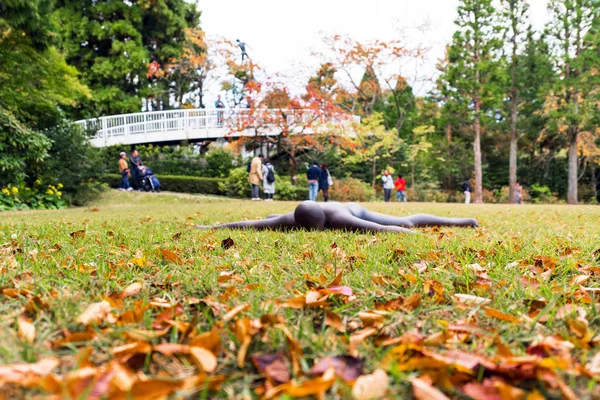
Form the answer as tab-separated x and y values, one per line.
175	183
192	184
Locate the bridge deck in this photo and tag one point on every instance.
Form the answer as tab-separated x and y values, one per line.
167	126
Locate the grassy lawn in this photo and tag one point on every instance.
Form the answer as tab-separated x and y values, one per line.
528	328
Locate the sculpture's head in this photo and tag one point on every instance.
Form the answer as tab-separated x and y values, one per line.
309	215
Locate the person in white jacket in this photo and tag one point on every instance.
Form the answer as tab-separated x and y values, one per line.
388	185
268	173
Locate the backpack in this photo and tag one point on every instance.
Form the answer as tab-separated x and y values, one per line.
270	175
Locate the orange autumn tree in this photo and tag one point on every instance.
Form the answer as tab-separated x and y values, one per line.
190	72
292	125
381	64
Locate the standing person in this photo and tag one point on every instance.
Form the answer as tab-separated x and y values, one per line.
242	47
519	194
400	185
313	174
325	181
388	184
268	172
256	176
136	174
124	170
218	105
466	188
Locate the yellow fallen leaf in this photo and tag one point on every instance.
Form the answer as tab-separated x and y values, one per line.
235	311
422	390
335	321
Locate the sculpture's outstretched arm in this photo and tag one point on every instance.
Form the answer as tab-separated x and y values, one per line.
281	222
351	223
417	220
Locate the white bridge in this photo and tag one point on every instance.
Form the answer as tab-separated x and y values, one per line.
198	124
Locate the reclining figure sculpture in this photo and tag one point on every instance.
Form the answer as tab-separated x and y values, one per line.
343	216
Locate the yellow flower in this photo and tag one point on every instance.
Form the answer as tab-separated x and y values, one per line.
59	194
15	190
60	186
5	191
49	191
38	182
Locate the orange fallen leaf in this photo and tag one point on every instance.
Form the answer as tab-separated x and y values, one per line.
148	389
26	374
77	337
371	387
142	335
412	302
170	256
492	312
169	349
78	234
95	313
335	321
205	359
357	338
235	311
25	329
435	290
131	290
125	352
210	340
422	390
313	387
273	367
372	318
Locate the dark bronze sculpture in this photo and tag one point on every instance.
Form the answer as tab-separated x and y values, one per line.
344	216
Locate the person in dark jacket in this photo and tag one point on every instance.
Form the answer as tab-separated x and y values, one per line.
466	188
324	181
136	176
313	174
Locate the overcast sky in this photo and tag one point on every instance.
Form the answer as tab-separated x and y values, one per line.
281	34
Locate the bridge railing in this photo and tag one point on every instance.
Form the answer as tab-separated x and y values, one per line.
191	124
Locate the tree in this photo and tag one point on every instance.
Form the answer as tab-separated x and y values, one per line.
515	33
373	144
571	20
420	144
473	70
188	73
21	149
382	63
111	43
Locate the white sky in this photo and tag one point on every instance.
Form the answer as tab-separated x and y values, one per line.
281	34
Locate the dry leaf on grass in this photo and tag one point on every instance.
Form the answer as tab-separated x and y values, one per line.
25	329
346	367
470	300
335	321
131	290
25	374
95	313
170	256
273	367
205	359
371	387
422	390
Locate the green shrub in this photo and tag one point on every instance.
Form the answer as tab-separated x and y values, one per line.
351	189
284	190
174	183
38	197
236	184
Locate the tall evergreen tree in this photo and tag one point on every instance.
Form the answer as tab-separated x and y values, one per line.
473	69
112	42
571	20
515	15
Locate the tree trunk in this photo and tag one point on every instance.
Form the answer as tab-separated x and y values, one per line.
448	155
374	172
293	177
594	178
512	168
477	153
573	161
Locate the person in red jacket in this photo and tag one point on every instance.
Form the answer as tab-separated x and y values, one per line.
400	185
